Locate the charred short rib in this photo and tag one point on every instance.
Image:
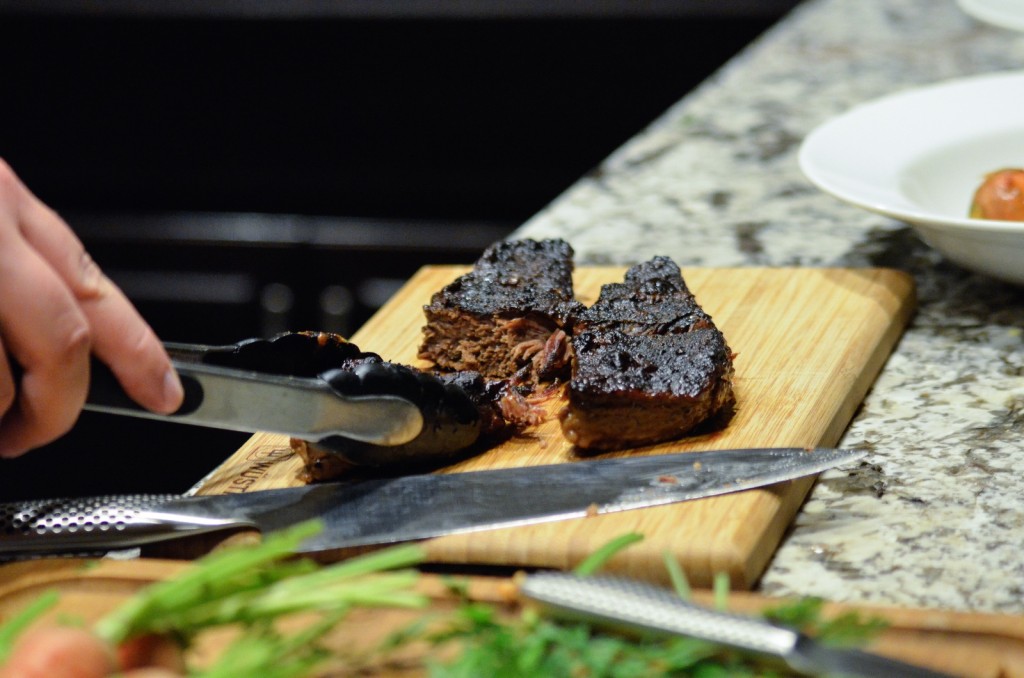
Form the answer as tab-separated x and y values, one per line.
650	365
509	316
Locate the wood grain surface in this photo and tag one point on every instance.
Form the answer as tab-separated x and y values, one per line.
809	344
963	644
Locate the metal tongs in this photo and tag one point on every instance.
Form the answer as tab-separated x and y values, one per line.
246	400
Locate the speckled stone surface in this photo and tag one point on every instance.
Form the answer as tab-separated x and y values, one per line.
935	515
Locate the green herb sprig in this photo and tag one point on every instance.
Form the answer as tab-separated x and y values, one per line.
246	585
252	588
16	625
532	646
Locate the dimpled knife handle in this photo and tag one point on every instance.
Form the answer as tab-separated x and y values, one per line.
92	524
640	606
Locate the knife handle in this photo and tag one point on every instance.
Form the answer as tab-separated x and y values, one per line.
643	607
639	606
96	524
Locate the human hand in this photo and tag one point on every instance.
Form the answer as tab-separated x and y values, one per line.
64	652
57	307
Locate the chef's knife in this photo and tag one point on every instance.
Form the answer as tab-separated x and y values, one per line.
633	605
390	510
245	400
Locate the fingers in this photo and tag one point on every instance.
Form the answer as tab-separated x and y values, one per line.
125	342
120	337
43	332
55	304
46	333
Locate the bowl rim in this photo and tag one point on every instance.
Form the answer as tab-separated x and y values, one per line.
993	12
820	175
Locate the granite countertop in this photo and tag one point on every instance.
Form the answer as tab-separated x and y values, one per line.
935	517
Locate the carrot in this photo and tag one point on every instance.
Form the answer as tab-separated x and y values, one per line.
65	652
59	652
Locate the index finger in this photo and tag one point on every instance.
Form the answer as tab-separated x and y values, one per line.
46	335
120	336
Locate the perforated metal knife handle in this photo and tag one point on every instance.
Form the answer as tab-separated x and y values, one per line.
633	604
94	524
624	602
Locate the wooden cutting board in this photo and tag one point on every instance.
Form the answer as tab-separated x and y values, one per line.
965	644
809	344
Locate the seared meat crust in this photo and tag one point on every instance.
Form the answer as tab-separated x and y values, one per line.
511	312
650	365
653	299
631	390
647	362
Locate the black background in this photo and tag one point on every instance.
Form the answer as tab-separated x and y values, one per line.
152	135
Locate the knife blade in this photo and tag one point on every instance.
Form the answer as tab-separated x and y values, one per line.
408	508
637	606
245	400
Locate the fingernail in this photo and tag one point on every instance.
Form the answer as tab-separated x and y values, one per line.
173	392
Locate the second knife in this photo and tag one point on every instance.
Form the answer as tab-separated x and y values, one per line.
407	508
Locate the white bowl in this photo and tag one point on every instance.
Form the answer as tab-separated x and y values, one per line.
1002	13
919	155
